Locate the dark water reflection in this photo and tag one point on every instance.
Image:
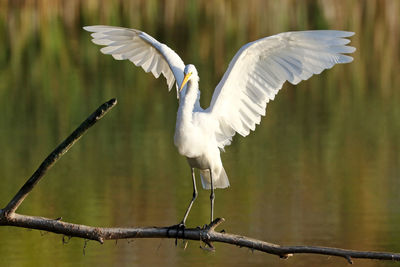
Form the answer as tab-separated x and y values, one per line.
322	168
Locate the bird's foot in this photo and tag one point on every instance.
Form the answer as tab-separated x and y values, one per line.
177	227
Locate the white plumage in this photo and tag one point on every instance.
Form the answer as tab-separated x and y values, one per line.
141	49
254	76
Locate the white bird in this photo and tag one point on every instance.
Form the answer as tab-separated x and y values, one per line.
254	76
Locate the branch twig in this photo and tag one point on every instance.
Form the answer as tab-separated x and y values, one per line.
56	155
207	234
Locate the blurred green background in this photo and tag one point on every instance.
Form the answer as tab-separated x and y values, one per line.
323	167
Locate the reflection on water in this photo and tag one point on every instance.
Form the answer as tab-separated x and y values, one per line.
322	168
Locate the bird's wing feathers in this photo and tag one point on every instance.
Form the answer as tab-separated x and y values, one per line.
140	48
259	69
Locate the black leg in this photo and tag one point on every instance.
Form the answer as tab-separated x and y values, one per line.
193	198
181	225
212	196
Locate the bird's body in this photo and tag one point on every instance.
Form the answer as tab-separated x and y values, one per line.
195	135
254	76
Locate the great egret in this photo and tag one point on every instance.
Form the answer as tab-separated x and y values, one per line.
254	76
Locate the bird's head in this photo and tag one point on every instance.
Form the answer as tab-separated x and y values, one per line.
190	74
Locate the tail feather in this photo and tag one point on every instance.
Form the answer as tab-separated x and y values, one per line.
219	180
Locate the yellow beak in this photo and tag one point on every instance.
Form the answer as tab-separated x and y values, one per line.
185	80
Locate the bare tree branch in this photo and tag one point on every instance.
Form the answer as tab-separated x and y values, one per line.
57	154
207	234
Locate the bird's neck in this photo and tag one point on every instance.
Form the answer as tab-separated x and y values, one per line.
188	102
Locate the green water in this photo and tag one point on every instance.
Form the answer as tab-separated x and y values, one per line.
323	167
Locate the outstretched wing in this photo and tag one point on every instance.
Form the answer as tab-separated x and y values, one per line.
259	69
140	48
